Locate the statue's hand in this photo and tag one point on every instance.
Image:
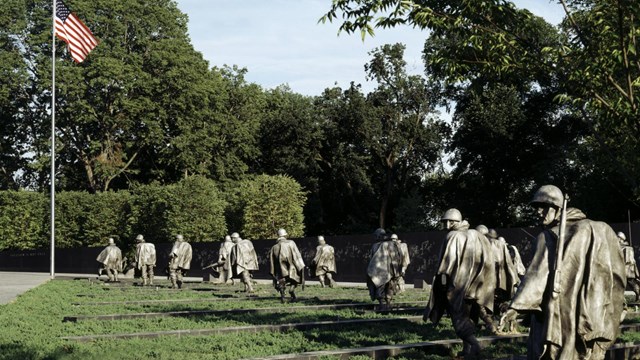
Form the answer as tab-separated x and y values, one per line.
508	317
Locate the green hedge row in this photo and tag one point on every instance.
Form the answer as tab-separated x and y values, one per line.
194	207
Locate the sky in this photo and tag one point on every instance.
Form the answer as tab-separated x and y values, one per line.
281	41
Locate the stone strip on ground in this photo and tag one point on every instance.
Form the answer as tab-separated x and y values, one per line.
621	351
230	297
386	351
363	306
239	329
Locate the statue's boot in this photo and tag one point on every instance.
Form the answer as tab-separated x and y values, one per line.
332	283
293	296
322	281
471	348
488	320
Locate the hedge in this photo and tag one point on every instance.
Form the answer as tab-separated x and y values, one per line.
193	207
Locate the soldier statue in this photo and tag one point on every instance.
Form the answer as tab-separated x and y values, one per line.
573	289
111	259
406	260
506	275
464	284
243	260
517	260
287	266
324	263
222	266
630	265
145	259
384	270
179	261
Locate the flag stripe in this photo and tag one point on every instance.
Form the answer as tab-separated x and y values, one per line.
70	29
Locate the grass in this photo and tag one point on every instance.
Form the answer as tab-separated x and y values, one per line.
33	327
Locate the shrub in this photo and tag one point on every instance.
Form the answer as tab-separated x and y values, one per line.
272	202
23	215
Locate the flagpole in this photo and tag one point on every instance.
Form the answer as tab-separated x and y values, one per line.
53	144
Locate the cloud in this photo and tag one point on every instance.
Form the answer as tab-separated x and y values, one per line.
280	41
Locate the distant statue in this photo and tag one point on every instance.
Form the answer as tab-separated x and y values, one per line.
464	284
384	270
633	281
287	266
111	260
145	259
243	260
517	260
507	278
573	289
179	261
406	260
324	263
223	265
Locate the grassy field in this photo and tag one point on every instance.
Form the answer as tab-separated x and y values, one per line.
32	326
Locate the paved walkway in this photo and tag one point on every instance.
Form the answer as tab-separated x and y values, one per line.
13	284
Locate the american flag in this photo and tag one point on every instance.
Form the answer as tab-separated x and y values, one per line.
74	32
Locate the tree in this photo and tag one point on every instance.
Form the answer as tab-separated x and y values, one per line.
290	139
13	94
591	62
141	93
405	136
346	191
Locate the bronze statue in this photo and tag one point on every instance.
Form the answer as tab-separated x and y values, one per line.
406	260
631	267
573	289
464	284
384	270
145	259
179	261
287	266
222	266
507	278
111	260
517	260
324	263
243	260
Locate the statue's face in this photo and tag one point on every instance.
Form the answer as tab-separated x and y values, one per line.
321	242
547	214
235	239
448	224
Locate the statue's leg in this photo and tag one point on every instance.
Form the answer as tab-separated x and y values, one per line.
465	329
332	283
173	276
179	280
322	280
488	320
292	292
246	278
144	275
281	286
110	274
150	274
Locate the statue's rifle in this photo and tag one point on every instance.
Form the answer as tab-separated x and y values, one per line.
213	266
557	275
